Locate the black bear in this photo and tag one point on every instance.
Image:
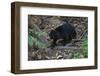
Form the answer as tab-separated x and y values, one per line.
65	33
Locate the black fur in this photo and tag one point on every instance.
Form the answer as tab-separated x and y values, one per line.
66	32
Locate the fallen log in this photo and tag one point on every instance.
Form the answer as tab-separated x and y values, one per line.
67	47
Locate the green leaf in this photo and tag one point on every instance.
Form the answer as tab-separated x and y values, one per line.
30	41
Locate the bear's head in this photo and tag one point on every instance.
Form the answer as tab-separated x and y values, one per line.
54	34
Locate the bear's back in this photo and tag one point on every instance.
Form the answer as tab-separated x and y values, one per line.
65	28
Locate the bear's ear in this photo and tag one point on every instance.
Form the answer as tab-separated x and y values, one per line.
51	34
53	31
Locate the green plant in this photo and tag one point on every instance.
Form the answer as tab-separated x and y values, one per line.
84	52
85	47
34	38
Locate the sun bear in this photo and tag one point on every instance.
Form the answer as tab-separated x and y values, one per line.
65	33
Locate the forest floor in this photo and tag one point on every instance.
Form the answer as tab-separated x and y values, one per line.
74	49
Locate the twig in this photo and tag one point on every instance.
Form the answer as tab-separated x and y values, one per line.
83	34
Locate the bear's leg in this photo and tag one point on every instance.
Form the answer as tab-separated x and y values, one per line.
65	41
54	43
